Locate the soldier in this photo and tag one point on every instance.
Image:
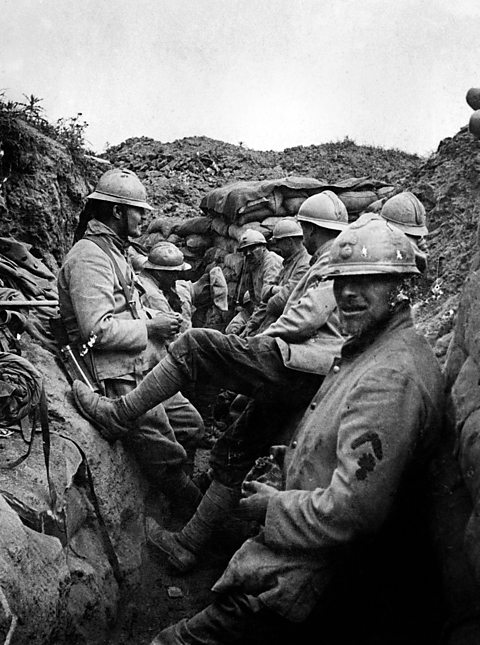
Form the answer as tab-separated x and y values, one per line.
358	454
260	271
291	356
407	213
100	306
288	240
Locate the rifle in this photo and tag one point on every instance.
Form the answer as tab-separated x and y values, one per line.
239	285
73	357
8	304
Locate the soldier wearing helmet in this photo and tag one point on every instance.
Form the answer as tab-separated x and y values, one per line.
260	271
100	306
288	243
357	461
291	356
406	212
160	276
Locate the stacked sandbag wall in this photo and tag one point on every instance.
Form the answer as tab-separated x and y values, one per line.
213	238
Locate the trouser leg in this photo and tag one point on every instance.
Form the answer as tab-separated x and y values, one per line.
185	420
206	356
183	546
160	456
227	620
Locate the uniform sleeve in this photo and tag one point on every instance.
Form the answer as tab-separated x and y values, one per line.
271	272
302	319
379	428
91	284
281	293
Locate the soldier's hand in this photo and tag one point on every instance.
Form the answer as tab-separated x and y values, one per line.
164	325
253	505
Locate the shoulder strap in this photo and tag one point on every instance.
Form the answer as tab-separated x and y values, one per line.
128	291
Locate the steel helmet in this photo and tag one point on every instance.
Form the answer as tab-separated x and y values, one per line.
121	186
287	227
165	256
407	212
324	209
371	245
251	238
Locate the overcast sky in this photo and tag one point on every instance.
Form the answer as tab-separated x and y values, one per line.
269	73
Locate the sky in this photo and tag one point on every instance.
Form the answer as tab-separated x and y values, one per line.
271	74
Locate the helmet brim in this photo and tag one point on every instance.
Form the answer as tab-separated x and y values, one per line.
105	197
251	246
415	231
322	223
339	270
283	237
181	267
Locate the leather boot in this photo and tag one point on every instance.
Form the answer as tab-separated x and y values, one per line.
224	621
183	494
183	546
108	415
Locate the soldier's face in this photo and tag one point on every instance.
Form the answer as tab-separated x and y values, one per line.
254	255
364	301
133	216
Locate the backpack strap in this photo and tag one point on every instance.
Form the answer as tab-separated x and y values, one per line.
127	290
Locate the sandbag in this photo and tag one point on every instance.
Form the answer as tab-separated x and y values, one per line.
220	226
253	205
357	201
385	192
271	222
234	200
292	204
196	242
236	232
227	244
201	225
254	216
160	225
150	239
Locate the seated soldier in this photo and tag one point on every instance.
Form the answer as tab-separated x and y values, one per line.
288	240
356	456
406	212
291	356
101	308
260	272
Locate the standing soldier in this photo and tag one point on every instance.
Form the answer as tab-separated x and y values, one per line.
100	307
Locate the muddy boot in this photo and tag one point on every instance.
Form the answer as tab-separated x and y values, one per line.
183	547
224	621
108	415
183	495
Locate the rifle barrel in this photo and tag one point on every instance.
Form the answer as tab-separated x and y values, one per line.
8	304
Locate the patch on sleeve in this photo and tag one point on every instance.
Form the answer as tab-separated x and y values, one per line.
366	462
